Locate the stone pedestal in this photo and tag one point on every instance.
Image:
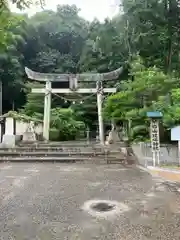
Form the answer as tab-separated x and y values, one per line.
8	141
29	137
113	137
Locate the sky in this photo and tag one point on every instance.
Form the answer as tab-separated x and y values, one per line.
90	9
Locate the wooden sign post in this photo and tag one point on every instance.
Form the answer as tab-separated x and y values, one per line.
155	139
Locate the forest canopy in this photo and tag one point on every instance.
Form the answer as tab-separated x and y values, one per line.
143	38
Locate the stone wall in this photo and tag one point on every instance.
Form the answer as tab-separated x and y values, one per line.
168	153
21	127
16	128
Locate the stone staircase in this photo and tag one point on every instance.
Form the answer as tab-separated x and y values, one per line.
61	152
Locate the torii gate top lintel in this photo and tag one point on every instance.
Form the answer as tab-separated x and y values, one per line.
87	77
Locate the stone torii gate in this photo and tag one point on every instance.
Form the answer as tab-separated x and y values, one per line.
73	80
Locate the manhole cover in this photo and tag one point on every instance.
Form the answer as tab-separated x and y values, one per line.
103	207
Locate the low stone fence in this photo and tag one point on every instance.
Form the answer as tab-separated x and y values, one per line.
168	154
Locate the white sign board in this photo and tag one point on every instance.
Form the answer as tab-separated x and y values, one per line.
155	143
175	133
175	136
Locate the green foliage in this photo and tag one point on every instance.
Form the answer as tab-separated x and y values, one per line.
64	121
139	133
54	134
34	101
56	40
144	37
22	117
170	107
150	90
21	4
11	59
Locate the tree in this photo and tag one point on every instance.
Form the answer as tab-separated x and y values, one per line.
20	3
11	63
56	39
54	44
63	122
142	94
61	41
7	18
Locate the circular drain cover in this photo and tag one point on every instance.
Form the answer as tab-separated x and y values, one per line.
102	207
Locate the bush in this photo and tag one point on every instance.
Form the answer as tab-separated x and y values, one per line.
54	134
65	121
140	133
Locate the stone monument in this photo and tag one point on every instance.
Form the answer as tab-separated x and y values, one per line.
113	136
29	135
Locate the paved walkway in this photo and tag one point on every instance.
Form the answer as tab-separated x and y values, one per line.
167	174
50	201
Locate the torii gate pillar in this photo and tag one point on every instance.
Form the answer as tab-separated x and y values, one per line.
100	118
47	111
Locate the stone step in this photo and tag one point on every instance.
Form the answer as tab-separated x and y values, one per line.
42	159
64	159
58	154
52	149
56	144
89	159
66	145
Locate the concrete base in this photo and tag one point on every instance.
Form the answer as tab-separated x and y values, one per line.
112	138
8	141
29	137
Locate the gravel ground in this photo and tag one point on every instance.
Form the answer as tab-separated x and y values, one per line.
51	201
